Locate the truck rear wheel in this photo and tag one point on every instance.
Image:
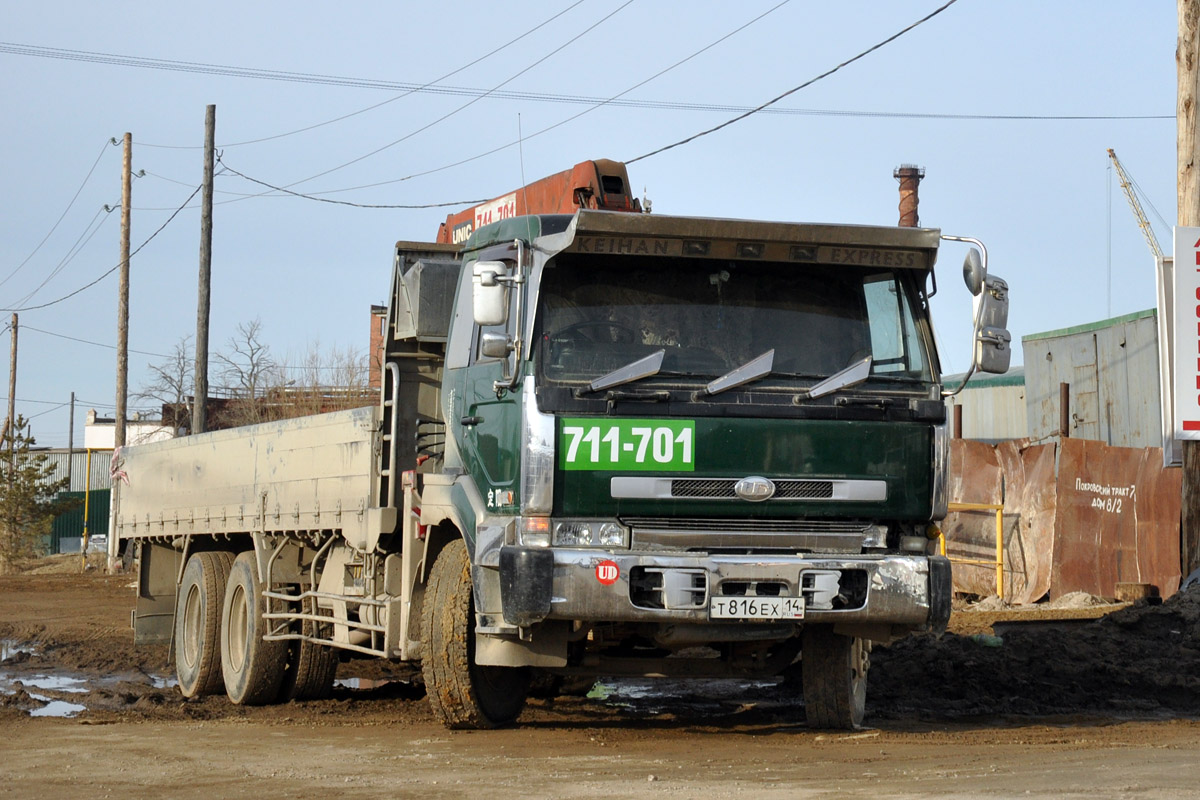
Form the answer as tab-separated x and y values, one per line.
462	693
311	667
198	623
834	674
253	668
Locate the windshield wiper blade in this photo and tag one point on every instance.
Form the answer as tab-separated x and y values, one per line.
752	370
852	375
634	371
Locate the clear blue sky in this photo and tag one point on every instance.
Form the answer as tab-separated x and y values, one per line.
1037	191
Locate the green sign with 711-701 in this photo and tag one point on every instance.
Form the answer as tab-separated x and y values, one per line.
627	444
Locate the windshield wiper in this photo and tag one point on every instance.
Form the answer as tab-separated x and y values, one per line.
633	371
852	375
752	370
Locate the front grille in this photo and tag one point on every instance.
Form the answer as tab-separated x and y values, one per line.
708	534
722	489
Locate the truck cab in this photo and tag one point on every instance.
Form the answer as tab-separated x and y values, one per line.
681	446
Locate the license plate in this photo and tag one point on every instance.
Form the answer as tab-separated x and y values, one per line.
756	608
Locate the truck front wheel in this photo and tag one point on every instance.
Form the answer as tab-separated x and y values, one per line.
462	693
198	623
834	674
253	668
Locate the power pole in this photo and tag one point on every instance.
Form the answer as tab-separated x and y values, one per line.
1187	64
10	424
123	296
200	401
71	443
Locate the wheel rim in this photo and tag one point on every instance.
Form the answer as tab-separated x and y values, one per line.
190	646
239	622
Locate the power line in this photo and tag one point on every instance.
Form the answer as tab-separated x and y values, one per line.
116	266
84	239
408	88
792	91
411	91
562	122
87	341
474	100
342	202
103	150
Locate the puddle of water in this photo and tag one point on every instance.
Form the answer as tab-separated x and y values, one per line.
57	683
11	647
654	695
361	683
55	708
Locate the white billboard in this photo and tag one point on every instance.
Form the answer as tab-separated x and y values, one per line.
1185	341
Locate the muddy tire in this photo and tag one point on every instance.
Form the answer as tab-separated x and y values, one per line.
834	675
310	667
198	623
253	669
461	693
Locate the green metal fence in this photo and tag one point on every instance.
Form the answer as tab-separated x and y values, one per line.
67	531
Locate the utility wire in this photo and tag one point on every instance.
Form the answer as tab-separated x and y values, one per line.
540	97
47	411
87	341
474	100
103	149
287	191
118	265
792	91
84	239
562	122
413	90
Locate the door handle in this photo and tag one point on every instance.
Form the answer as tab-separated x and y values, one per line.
470	421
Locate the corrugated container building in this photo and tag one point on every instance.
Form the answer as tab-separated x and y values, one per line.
1112	369
993	406
101	460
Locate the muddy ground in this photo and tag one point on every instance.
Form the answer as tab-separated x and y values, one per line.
1106	707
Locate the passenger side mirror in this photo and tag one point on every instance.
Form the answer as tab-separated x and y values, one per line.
489	292
993	342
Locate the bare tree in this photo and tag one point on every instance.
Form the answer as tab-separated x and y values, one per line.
325	380
249	372
170	385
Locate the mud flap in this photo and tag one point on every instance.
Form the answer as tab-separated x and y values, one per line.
941	592
154	613
526	581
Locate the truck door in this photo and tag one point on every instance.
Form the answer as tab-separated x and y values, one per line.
491	424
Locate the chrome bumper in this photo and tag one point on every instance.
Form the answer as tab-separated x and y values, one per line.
576	584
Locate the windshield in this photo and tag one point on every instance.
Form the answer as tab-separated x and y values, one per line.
710	317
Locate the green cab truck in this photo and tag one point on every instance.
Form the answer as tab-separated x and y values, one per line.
606	444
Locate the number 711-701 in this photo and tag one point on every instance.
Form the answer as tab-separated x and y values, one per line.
627	444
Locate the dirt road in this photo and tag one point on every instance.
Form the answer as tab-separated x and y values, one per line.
1103	709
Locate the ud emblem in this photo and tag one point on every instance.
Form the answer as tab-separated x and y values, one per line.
755	489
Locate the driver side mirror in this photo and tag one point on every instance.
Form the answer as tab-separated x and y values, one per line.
974	273
489	293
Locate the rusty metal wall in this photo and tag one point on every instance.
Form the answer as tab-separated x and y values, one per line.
1022	478
1100	516
1112	367
1118	520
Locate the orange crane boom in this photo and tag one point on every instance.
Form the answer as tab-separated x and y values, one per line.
601	184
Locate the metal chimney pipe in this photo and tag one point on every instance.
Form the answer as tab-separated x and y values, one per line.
910	177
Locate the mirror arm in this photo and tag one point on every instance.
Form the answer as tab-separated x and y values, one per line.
508	381
974	241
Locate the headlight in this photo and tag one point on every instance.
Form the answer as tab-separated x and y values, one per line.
589	533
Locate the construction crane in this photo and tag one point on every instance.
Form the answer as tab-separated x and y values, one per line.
1131	196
